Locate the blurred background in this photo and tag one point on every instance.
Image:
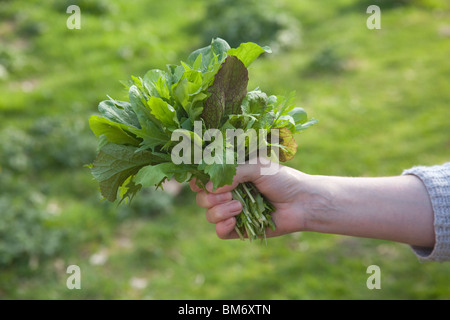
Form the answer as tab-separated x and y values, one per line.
382	98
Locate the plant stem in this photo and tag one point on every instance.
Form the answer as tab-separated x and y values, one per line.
255	216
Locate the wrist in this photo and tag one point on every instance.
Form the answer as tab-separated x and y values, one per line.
316	202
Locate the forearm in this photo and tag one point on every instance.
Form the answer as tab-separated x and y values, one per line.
391	208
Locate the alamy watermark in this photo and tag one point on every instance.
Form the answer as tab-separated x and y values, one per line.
374	280
74	20
74	280
374	20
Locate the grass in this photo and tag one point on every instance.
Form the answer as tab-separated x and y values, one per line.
381	98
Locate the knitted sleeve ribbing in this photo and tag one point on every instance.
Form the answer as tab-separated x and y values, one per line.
437	182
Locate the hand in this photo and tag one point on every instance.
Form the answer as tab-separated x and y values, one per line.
281	189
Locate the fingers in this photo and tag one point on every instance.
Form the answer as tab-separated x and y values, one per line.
225	229
223	211
209	200
221	208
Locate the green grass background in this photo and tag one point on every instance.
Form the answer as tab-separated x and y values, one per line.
381	97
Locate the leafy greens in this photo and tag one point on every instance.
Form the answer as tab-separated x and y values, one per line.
136	138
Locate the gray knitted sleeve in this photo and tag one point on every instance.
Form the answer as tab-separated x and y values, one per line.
437	182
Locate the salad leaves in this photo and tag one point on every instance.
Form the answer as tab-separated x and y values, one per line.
205	94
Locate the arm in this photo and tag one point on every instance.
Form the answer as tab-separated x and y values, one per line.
391	208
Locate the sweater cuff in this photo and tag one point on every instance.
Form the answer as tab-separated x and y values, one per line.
437	182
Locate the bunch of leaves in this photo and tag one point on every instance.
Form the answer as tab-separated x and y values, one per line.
136	137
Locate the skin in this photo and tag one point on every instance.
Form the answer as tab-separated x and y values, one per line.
391	208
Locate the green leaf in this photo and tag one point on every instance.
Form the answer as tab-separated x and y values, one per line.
197	65
128	189
306	125
220	174
150	79
118	111
156	83
114	132
136	81
299	115
189	86
220	47
266	121
248	52
285	104
255	102
152	135
211	55
189	92
154	175
139	105
285	121
115	163
227	92
164	112
242	121
175	73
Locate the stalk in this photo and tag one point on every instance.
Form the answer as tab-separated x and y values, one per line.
255	217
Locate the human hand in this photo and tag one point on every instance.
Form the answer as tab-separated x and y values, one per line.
282	189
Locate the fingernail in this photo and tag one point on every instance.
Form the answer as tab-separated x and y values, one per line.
235	206
230	221
222	197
